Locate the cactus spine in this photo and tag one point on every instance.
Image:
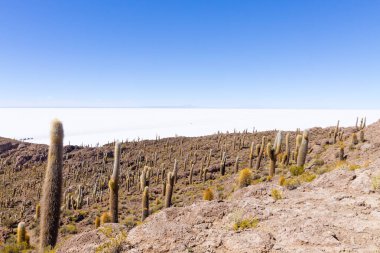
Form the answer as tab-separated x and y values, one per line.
169	189
301	159
145	203
52	189
113	185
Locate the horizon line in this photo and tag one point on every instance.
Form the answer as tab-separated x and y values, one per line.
177	107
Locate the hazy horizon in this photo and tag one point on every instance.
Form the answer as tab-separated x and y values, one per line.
103	125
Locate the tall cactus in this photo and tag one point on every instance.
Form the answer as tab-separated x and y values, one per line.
361	136
169	189
175	170
38	212
237	164
301	159
223	164
341	154
356	125
191	173
257	149
209	158
298	144
143	178
21	233
204	175
52	189
261	153
145	203
251	155
285	160
354	139
272	155
277	143
336	131
113	185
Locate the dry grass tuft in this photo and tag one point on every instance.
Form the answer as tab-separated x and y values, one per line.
245	178
208	194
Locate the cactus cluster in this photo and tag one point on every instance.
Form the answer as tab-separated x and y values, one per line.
140	167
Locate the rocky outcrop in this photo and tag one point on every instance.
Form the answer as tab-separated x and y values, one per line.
338	212
6	146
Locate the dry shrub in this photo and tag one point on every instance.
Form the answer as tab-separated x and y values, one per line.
208	194
245	178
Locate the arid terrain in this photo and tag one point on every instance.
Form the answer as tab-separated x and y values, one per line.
332	205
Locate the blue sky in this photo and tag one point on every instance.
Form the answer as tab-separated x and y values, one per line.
202	53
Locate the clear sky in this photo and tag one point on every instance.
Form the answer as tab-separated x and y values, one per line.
202	53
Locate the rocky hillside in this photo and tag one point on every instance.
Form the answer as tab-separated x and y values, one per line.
337	212
330	206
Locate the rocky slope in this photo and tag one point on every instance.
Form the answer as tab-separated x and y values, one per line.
337	212
332	207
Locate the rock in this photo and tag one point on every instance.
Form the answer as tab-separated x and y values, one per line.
362	182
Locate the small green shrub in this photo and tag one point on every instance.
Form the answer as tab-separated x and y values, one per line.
319	162
245	224
130	222
14	247
276	194
69	229
354	166
292	183
322	170
296	170
307	177
114	245
257	181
